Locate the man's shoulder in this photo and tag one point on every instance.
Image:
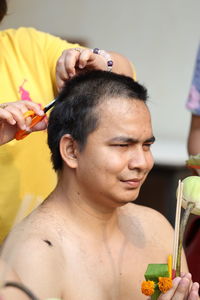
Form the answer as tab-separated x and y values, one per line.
21	34
140	210
34	232
34	252
148	218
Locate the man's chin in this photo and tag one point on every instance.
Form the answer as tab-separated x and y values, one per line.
122	197
125	199
132	197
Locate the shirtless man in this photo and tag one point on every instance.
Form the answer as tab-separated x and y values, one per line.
87	241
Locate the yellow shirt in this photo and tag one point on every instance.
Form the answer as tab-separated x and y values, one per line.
27	72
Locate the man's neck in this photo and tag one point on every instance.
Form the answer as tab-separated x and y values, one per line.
85	212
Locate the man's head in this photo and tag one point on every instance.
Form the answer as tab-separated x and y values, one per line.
3	9
101	129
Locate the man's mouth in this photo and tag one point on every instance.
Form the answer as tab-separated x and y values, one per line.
134	182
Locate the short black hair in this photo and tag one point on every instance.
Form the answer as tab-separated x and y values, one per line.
75	110
3	9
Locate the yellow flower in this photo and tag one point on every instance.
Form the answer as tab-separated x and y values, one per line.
164	284
148	287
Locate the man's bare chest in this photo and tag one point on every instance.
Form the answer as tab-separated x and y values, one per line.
105	273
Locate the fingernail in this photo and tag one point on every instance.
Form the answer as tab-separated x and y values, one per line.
71	75
13	122
187	275
81	66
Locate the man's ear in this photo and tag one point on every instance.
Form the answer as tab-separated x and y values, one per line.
68	151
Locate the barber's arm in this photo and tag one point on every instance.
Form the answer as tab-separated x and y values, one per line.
75	60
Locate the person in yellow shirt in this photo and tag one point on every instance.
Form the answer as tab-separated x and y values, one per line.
33	67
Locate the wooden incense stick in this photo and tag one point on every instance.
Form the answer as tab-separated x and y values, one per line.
177	223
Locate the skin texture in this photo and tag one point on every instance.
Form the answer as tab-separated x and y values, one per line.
87	240
194	134
10	293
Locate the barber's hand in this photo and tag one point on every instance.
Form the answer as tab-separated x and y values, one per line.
75	60
183	289
12	119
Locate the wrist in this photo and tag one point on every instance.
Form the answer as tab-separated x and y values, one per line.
106	56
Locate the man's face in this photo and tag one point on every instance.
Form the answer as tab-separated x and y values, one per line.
117	156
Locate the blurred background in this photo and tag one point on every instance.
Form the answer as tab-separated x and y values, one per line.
161	39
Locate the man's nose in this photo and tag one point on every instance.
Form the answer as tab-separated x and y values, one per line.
140	159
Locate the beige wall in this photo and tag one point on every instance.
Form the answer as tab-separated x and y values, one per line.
160	37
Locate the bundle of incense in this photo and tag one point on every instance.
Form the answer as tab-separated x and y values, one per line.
158	277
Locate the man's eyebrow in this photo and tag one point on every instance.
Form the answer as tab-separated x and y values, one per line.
151	140
124	139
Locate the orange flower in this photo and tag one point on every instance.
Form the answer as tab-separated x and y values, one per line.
148	287
164	284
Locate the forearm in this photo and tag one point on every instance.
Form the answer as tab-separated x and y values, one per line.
194	136
122	65
194	142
